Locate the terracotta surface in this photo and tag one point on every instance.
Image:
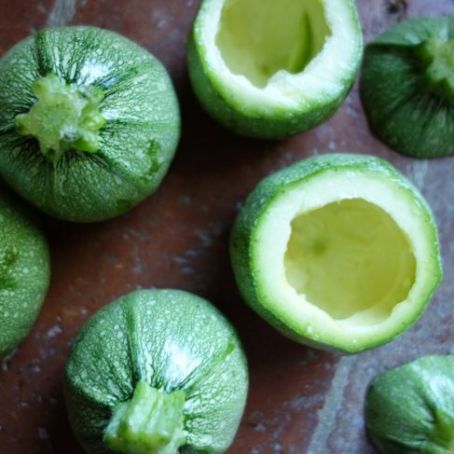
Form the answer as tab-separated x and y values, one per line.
301	400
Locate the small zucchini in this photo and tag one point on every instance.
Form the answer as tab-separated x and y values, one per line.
24	274
156	371
408	87
89	122
271	69
339	251
410	410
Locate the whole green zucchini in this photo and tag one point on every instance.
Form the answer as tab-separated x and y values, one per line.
156	372
24	274
89	122
410	410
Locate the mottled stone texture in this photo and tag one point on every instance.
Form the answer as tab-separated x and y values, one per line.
301	401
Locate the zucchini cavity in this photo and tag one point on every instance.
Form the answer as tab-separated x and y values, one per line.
259	38
339	252
272	69
350	257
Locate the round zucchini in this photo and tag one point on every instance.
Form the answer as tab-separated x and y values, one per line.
408	87
89	122
156	371
339	252
24	275
271	69
410	410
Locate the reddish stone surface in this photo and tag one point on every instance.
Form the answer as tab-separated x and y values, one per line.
301	400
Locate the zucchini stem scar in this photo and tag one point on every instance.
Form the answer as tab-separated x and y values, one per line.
64	117
151	422
437	56
441	434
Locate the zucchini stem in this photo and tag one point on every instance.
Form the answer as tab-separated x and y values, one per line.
64	117
437	56
441	438
150	423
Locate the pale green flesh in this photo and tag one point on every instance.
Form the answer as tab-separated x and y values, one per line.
348	257
258	38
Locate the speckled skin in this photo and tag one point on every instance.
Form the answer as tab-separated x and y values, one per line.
137	143
171	340
411	409
244	242
243	120
24	274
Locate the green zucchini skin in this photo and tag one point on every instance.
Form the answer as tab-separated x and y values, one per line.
24	274
243	238
411	409
137	142
402	109
172	340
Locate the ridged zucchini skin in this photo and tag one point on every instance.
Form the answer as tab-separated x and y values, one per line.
402	109
410	409
137	143
243	239
24	274
172	340
275	123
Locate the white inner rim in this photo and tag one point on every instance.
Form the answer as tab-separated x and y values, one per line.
330	187
323	77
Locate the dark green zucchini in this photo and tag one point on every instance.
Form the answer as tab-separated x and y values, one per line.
408	87
410	410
